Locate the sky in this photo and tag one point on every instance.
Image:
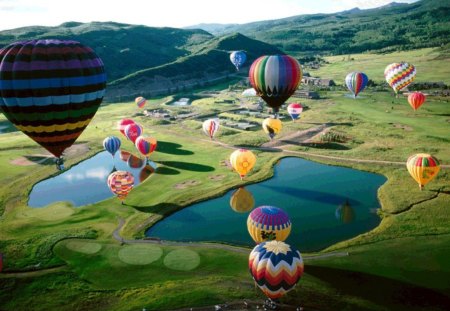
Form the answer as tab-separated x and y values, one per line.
167	13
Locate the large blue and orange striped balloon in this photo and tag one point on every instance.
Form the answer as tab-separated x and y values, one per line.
399	75
275	78
276	267
51	90
356	82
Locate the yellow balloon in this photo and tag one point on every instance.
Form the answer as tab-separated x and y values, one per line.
271	126
242	160
423	168
267	223
242	201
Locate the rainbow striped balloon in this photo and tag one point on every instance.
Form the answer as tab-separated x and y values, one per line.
146	145
140	101
268	223
275	78
356	82
51	89
423	168
111	144
399	75
276	267
120	183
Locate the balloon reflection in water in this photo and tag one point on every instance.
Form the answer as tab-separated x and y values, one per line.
345	213
242	201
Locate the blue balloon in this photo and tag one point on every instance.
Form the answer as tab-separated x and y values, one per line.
111	144
356	82
238	58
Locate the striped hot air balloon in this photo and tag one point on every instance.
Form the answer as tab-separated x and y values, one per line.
145	145
120	183
140	101
242	201
399	75
51	89
356	82
210	127
238	58
295	110
275	78
242	160
133	131
268	223
271	127
276	267
111	144
423	168
416	99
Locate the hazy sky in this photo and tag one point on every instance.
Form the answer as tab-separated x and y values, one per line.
171	13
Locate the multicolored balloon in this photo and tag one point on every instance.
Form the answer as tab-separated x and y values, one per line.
276	267
145	145
272	127
295	110
111	144
399	75
120	183
242	160
356	82
275	78
140	101
423	168
50	90
242	200
345	213
268	223
416	99
133	131
210	127
135	162
123	124
238	58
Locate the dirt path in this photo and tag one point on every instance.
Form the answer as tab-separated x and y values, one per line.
27	274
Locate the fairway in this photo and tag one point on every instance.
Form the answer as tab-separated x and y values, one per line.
139	254
182	259
53	212
85	247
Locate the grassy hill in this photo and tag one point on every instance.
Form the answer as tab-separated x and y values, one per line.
396	26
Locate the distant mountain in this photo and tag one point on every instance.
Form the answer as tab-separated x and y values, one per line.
396	26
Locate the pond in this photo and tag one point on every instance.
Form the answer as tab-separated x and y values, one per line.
326	204
85	183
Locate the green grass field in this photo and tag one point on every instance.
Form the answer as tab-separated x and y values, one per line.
400	265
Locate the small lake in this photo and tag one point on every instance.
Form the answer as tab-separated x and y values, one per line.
85	183
326	204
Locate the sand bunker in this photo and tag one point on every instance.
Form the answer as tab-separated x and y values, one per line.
187	184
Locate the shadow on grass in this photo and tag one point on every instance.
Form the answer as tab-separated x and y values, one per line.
388	293
43	160
188	166
163	170
172	148
333	146
160	209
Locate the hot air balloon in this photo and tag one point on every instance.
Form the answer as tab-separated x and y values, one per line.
111	144
242	200
423	168
133	131
140	101
276	267
268	223
416	99
242	160
210	127
122	124
295	110
399	75
50	90
120	183
345	213
356	82
271	126
238	58
249	92
145	145
275	78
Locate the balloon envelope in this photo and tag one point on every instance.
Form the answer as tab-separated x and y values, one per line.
249	92
51	89
111	144
242	201
123	123
295	110
146	145
242	160
268	223
276	267
133	131
423	168
120	183
272	127
275	78
238	58
140	101
416	99
356	82
399	75
210	127
345	213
